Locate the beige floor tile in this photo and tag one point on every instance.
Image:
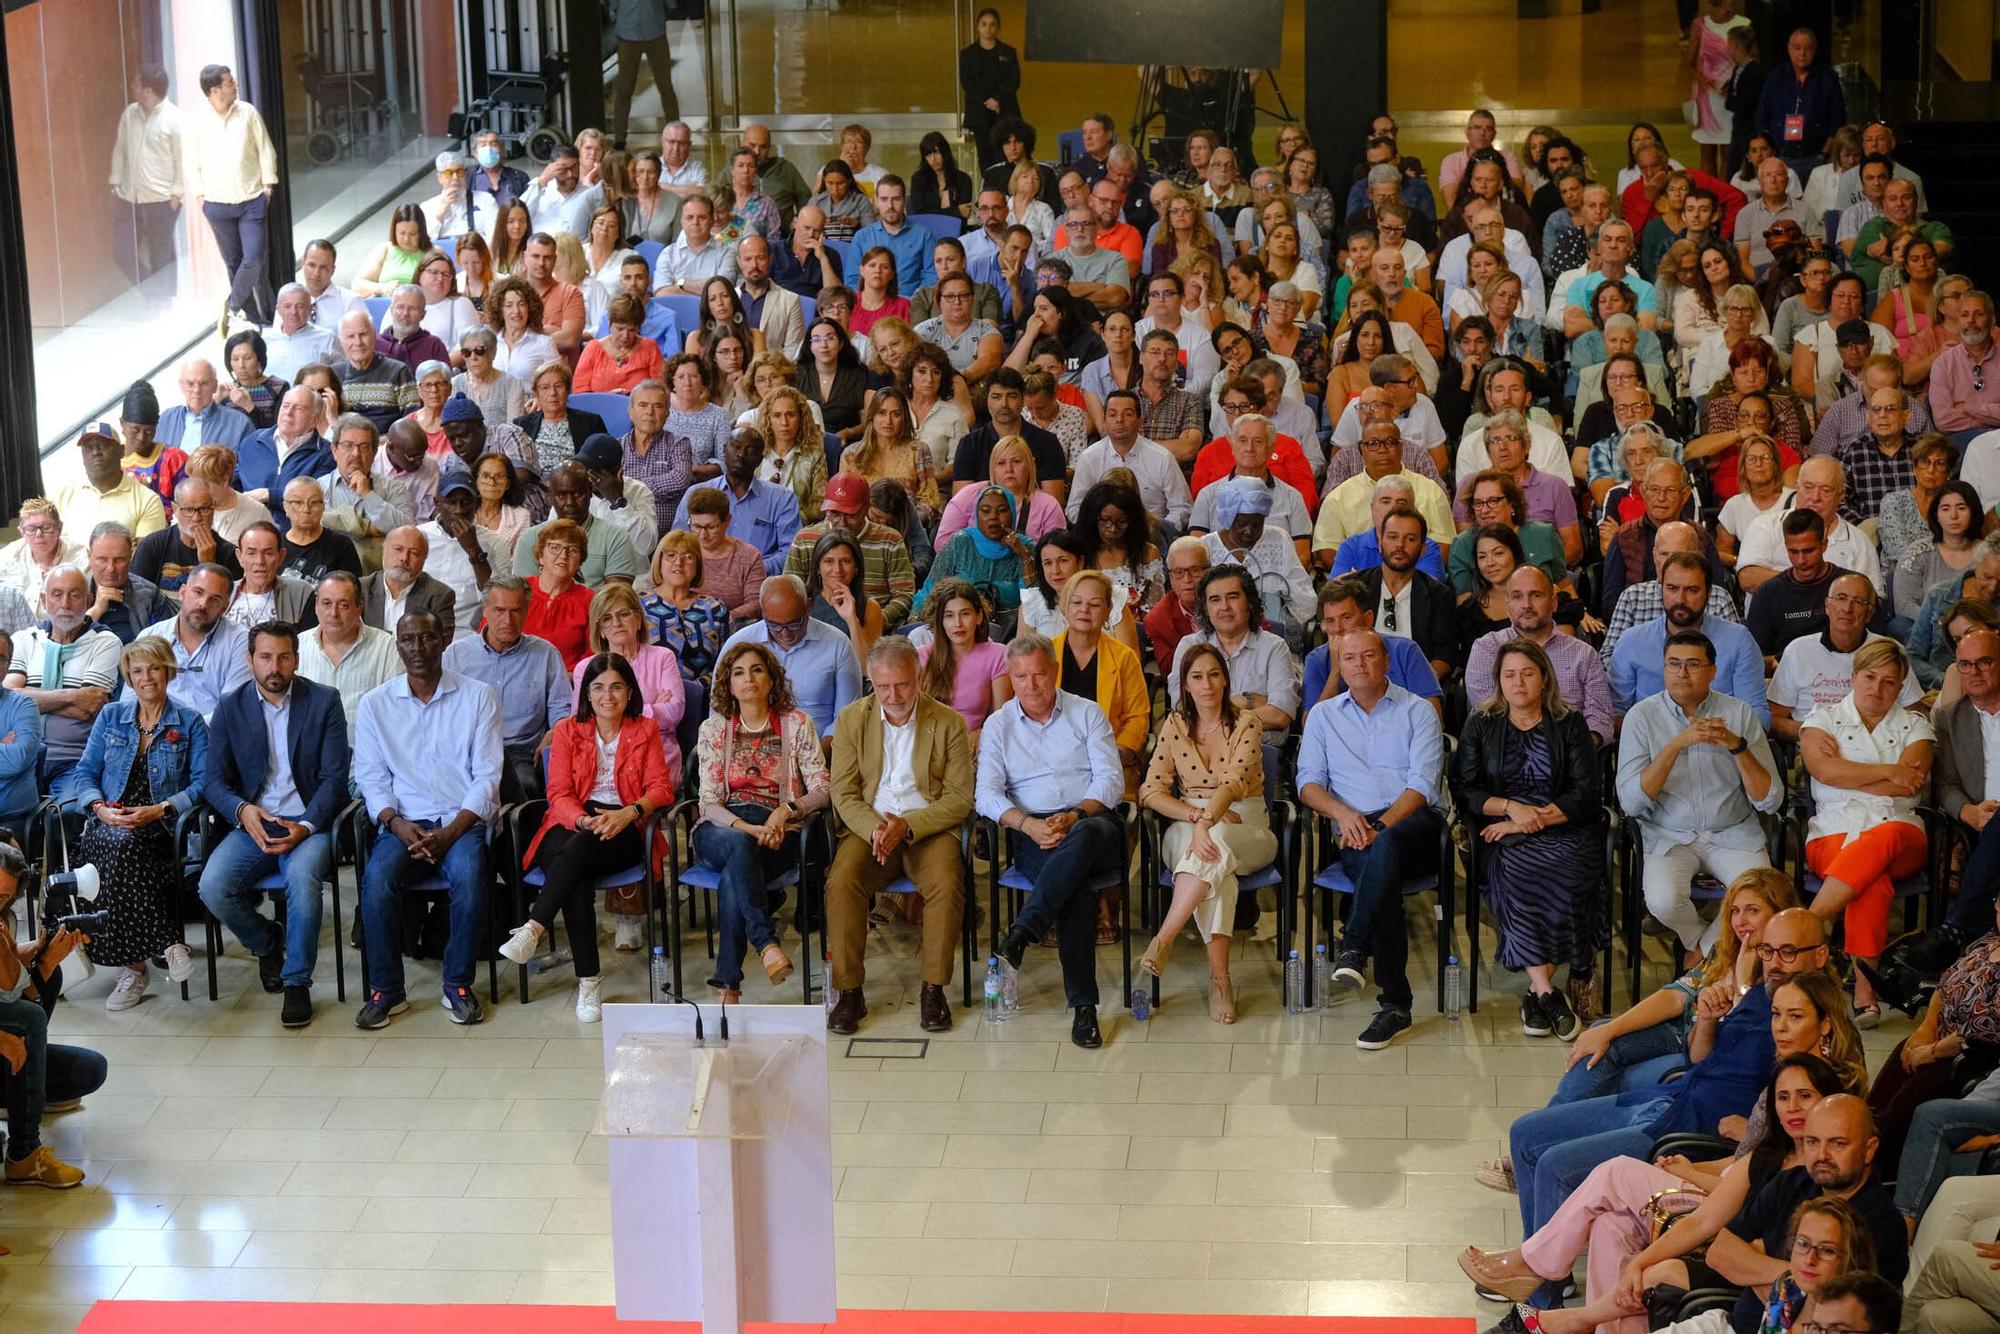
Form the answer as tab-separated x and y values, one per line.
589	1217
844	1118
487	1146
455	1053
444	1213
139	1247
394	1179
953	1118
76	1138
27	1246
1377	1122
563	1287
1315	1058
927	1293
1190	1058
255	1144
194	1113
1349	1189
896	1150
983	1257
267	1213
972	1055
517	1253
335	1250
120	1109
1220	1154
46	1283
1169	1222
1097	1257
871	1292
154	1284
571	1054
902	1086
536	1180
23	1318
169	1080
461	1082
1226	1088
131	1050
1480	1123
1036	1151
1085	1186
1132	1119
291	1050
1478	1226
952	1186
560	1114
353	1283
1546	1059
879	1218
1527	1090
1290	1260
1406	1155
364	1082
92	1207
1357	1297
1407	1090
419	1114
1207	1296
177	1179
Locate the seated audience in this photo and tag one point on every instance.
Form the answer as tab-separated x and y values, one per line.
605	551
86	663
341	651
1636	664
764	514
1580	680
1816	670
884	574
961	663
681	617
819	664
211	653
1409	602
1822	488
402	585
990	554
1262	671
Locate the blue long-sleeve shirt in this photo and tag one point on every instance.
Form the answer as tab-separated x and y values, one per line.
824	673
1369	758
1408	668
1047	766
429	761
529	679
912	248
1637	669
20	752
218	424
767	517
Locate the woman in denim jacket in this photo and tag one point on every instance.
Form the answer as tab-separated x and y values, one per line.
141	771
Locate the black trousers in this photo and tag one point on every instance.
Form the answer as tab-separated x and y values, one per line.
572	862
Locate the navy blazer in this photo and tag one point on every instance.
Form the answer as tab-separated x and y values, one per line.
317	733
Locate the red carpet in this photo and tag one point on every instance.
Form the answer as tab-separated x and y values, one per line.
327	1318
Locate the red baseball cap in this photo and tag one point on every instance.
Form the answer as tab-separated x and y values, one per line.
847	493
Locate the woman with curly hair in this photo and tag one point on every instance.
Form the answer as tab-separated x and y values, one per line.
516	311
794	448
1117	536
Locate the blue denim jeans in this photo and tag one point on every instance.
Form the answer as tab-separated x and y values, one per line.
1556	1148
743	869
1971	912
1065	896
1930	1152
227	887
25	1090
1633	1060
390	870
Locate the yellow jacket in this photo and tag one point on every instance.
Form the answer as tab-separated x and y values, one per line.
1122	694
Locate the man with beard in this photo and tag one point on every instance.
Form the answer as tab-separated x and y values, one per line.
1580	677
427	761
764	514
1407	601
67	667
401	586
403	337
277	772
1965	380
211	655
1636	664
107	492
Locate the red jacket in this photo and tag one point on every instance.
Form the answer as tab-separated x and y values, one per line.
1288	464
1639	210
640	771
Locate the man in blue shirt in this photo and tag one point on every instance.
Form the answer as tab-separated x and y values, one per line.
427	761
818	660
20	752
909	243
1371	761
764	514
1801	105
199	420
1050	775
526	674
211	654
1636	663
267	462
1344	605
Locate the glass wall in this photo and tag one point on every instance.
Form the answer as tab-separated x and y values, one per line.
122	270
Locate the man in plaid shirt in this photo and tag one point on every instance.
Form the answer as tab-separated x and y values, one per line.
1172	417
1878	463
886	573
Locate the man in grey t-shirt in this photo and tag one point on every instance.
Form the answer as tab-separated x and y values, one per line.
1098	276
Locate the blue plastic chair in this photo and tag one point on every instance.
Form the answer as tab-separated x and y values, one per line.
1070	142
687	313
839	250
1331	880
651	250
939	224
808	307
448	244
365	834
377	308
968	943
616	409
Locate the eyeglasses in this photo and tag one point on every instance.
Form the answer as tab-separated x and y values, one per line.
1825	1252
1229	409
1389	615
1815	1327
193	510
1985	664
560	548
1786	954
1488	502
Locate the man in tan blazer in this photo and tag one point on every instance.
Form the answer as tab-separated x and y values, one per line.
902	787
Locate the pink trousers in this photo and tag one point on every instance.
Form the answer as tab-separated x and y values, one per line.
1605	1217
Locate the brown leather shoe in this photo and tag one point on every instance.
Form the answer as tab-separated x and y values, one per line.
847	1012
933	1010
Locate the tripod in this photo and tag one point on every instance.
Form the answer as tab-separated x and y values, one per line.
1225	101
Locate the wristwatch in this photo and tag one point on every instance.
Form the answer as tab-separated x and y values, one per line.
1742	744
1375	823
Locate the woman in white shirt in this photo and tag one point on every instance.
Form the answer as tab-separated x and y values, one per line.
522	348
604	254
446	313
1870	762
1761	481
1025	206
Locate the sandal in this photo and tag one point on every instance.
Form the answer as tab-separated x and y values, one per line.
1107	930
1867	1017
728	995
1486	1271
776	966
1221	999
1497	1174
1154	961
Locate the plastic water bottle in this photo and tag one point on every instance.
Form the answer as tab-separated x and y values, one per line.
832	992
663	974
1295	984
1142	1004
1322	994
1454	989
1010	991
995	1011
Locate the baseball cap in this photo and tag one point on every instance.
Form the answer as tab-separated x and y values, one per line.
457	479
600	453
103	430
847	494
1784	229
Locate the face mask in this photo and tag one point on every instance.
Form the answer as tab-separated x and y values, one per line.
487	156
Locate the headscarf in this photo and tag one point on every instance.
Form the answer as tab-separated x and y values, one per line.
141	406
1239	496
984	545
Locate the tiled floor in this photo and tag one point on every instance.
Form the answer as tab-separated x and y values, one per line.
1269	1166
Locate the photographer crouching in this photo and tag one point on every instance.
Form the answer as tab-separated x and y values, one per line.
35	1076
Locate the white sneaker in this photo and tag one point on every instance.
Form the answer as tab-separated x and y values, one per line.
131	988
630	936
522	945
589	1000
180	964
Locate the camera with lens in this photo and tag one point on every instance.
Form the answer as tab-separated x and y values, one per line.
87	923
69	899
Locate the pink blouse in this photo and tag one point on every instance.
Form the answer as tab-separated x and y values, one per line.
659	673
972	691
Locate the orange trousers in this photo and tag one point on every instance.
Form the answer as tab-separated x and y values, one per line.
1871	864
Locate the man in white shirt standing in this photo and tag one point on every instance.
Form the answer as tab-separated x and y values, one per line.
146	171
232	167
1161	484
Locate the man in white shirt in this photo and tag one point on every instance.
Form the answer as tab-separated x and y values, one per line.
1817	669
1162	486
680	170
343	651
146	171
232	167
453	210
329	299
295	341
264	593
1486	224
1394	383
1503	385
1199	361
695	256
1822	486
549	198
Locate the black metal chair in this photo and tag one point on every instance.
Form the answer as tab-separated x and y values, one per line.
365	834
1330	879
968	943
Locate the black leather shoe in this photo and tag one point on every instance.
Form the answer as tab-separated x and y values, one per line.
847	1012
1083	1029
271	970
298	1011
1014	946
933	1010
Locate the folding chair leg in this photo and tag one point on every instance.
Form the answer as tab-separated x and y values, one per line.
339	937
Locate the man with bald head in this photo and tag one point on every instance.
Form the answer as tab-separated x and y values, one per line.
379	388
401	586
1642	602
1822	487
818	660
1837	1151
1817	668
1531	614
267	462
1730	1050
165	558
198	419
1628	559
767	305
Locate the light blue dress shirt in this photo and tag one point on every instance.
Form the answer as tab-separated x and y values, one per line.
1638	664
767	517
1048	766
429	761
824	673
217	666
1369	758
280	793
529	679
218	424
912	248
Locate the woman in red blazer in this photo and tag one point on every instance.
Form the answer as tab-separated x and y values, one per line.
607	773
